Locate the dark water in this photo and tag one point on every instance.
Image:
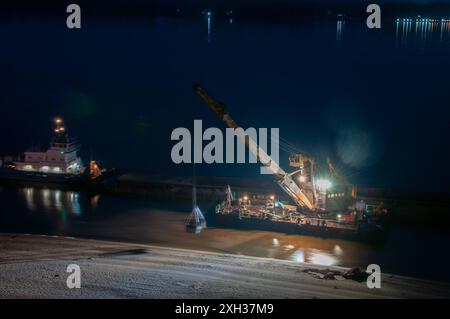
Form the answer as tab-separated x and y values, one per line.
373	100
73	214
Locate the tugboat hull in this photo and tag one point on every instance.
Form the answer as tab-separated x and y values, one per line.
11	175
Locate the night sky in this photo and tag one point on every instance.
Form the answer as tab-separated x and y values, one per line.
374	101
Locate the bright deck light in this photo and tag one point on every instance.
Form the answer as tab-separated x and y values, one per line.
323	184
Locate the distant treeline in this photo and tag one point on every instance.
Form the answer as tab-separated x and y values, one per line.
264	10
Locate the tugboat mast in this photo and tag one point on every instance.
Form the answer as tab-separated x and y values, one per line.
59	123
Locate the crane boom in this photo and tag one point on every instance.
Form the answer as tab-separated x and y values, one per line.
281	177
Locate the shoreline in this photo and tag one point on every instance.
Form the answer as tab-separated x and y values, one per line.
35	267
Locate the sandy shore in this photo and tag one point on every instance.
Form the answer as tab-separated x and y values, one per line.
35	267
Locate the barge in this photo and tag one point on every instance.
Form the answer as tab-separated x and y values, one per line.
322	201
261	212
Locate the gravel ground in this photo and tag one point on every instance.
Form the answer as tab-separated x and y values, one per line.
35	267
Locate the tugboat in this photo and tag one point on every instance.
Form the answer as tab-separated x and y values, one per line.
59	163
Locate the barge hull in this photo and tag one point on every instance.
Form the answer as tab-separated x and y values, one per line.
254	223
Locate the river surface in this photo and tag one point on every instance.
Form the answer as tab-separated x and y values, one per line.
373	100
56	212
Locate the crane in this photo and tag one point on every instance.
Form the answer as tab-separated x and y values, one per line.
283	179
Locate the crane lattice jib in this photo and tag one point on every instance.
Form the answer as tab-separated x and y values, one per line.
281	177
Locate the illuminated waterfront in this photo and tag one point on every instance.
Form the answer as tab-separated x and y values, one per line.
421	30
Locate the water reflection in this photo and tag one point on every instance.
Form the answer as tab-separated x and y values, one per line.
314	256
338	250
298	256
29	198
208	16
230	16
300	252
94	201
321	258
421	30
275	242
339	29
53	200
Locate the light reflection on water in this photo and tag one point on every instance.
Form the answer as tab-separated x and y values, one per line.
421	31
208	16
339	29
321	258
300	255
52	200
